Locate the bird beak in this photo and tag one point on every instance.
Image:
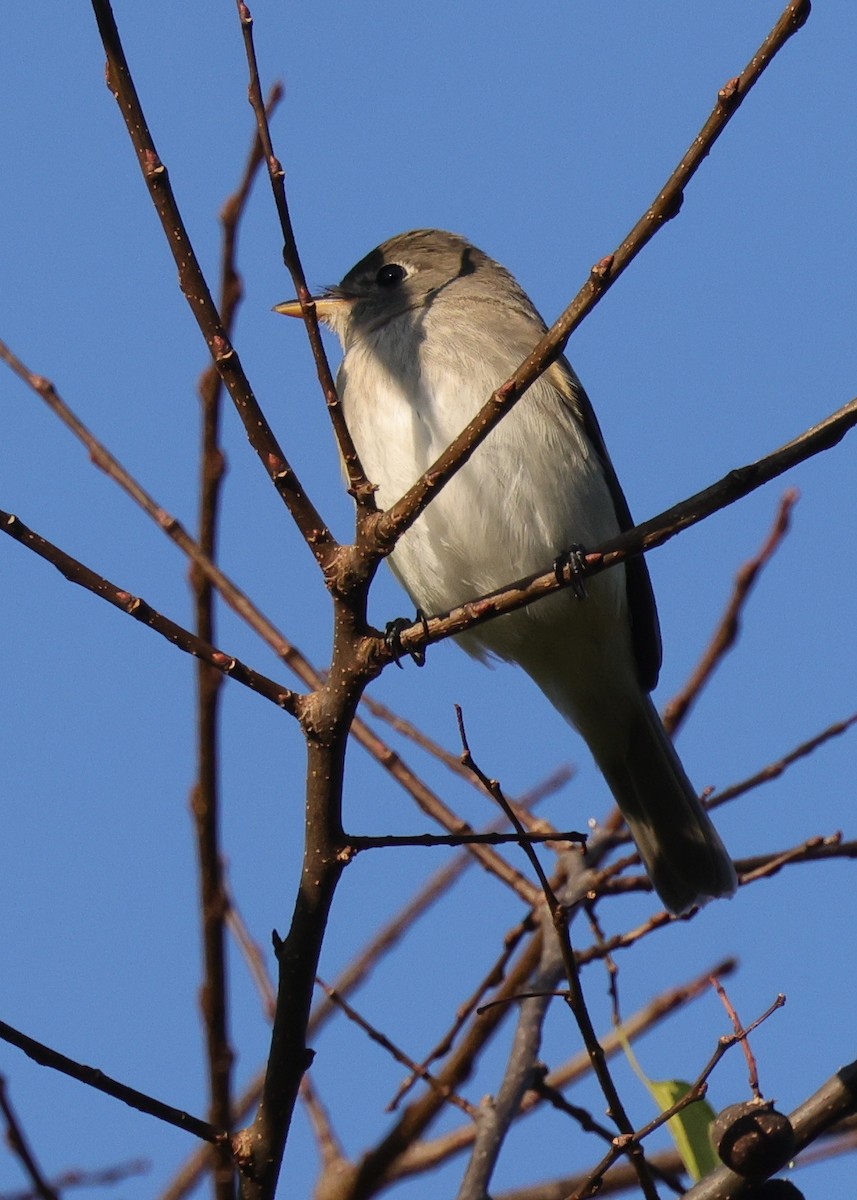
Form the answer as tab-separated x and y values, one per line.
329	309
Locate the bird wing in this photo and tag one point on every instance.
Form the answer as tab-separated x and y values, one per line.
645	628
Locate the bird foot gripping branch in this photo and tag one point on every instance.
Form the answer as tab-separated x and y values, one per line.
570	567
393	639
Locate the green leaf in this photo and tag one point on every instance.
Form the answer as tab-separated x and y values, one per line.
690	1127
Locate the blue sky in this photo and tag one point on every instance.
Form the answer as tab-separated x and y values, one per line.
542	133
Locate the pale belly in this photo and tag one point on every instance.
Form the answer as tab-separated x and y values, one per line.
533	489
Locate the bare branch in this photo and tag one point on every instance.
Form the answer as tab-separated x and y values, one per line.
205	795
359	844
95	1078
592	1185
816	849
195	288
358	484
134	606
726	633
382	1040
405	511
776	769
240	603
495	1119
17	1142
77	1178
738	483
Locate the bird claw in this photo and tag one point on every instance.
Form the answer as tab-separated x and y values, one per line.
572	561
393	640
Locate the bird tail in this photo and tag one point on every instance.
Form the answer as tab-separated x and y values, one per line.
680	848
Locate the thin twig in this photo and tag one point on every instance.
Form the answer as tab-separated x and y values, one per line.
382	1040
133	606
358	484
254	958
610	963
726	633
695	1092
359	844
574	997
330	1148
95	1078
75	1177
752	1065
815	849
776	769
17	1142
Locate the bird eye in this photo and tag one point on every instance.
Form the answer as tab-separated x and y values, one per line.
390	275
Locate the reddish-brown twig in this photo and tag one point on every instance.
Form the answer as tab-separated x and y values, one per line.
358	484
253	957
775	769
726	633
752	1065
330	1148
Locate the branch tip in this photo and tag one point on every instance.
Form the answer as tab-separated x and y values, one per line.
800	14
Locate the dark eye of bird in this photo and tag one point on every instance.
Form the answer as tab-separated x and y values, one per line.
390	275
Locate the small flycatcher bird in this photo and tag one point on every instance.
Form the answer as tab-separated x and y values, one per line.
430	327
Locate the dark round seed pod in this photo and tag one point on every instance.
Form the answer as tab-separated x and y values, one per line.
753	1139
